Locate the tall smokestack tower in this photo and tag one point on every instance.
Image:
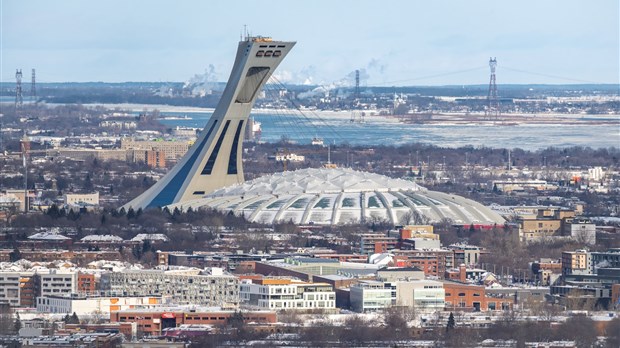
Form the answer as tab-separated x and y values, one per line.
33	87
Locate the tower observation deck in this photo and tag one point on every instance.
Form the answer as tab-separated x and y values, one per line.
214	161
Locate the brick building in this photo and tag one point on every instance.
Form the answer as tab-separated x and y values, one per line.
153	321
473	297
433	262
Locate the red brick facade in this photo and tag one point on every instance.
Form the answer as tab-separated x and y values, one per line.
152	322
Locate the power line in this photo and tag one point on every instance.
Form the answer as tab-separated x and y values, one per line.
308	119
548	75
390	83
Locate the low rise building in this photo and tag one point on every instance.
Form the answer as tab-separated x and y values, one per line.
152	322
10	288
540	228
287	294
372	295
433	262
580	229
375	243
420	294
576	262
466	254
473	297
289	157
58	284
93	305
420	243
172	150
82	198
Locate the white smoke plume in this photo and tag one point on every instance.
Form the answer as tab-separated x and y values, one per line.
202	84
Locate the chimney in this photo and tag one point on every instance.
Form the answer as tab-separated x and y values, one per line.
462	273
405	233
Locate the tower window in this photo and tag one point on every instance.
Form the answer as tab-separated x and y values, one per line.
211	161
277	53
260	53
268	53
232	160
252	82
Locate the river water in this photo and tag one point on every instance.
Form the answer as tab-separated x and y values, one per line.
337	128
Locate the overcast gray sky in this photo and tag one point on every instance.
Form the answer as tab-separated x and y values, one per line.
393	42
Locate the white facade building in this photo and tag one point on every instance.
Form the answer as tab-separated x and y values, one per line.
58	284
421	294
290	157
9	288
82	199
582	230
368	296
96	305
286	294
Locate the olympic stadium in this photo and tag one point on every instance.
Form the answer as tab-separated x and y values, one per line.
332	196
210	175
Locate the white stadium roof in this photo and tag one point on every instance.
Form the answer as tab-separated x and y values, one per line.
339	196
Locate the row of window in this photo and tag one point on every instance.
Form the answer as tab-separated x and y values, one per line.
272	46
269	53
462	294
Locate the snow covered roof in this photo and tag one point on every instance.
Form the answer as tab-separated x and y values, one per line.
152	237
339	196
51	236
102	238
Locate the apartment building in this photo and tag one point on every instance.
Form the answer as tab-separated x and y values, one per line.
374	243
606	259
172	150
180	287
576	262
57	284
433	262
466	254
10	288
287	294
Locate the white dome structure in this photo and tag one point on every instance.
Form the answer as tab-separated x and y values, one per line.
340	196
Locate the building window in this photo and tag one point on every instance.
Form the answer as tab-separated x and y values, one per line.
211	161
